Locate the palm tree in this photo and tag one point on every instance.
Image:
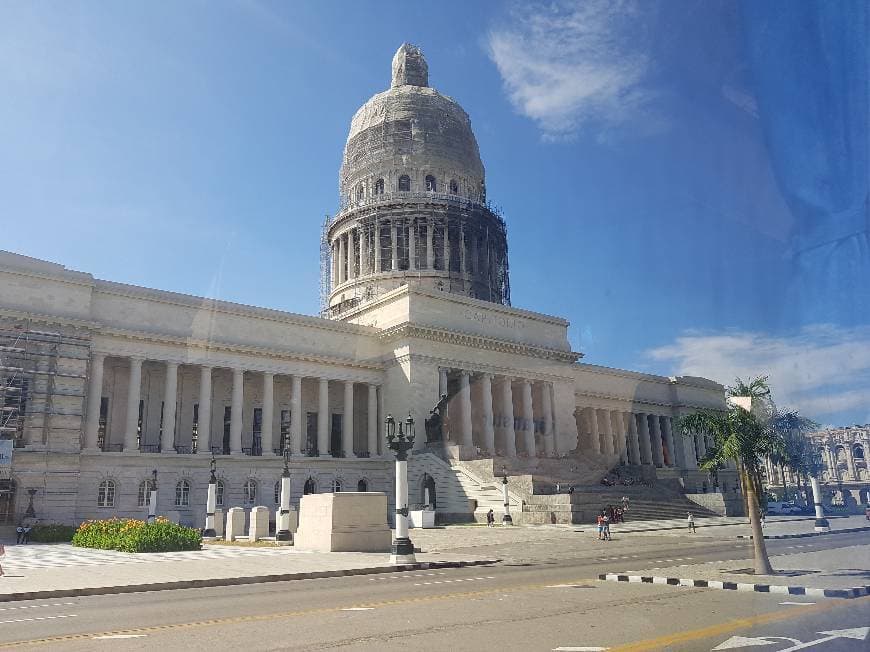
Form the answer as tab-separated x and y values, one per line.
799	455
742	435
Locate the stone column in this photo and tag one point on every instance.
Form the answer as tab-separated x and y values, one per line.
465	401
551	392
430	249
486	416
656	439
547	409
203	424
170	398
266	438
342	260
412	245
377	245
381	413
633	440
95	395
236	412
394	245
643	432
850	460
507	407
334	249
618	435
296	416
462	255
442	382
606	429
446	246
594	439
372	429
528	418
361	267
134	389
351	258
323	418
347	421
669	440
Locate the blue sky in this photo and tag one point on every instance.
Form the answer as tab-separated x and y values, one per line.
195	147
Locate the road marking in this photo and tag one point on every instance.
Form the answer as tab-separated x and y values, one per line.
671	640
797	602
27	620
38	606
579	649
358	609
113	636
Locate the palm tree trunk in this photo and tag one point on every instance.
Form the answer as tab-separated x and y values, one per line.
759	550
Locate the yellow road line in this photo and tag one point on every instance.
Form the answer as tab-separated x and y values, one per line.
281	614
731	625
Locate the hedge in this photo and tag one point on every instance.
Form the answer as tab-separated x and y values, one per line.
132	535
52	533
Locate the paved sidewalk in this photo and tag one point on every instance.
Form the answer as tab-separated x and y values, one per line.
53	570
738	526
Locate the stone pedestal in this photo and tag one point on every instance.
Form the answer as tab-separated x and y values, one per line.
288	521
422	518
343	522
218	522
259	524
235	523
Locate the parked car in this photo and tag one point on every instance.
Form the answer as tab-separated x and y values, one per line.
783	508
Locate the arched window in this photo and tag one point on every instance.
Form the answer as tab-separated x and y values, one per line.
431	185
362	485
278	492
219	493
336	485
360	192
404	183
310	486
454	187
858	452
106	494
182	494
144	495
250	491
379	187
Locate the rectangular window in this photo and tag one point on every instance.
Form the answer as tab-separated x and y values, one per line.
104	419
194	430
311	435
257	433
335	435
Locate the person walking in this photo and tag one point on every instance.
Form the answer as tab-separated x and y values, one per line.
691	522
600	522
26	538
19	534
607	528
490	518
2	557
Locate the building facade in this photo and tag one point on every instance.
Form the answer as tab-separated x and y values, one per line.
104	383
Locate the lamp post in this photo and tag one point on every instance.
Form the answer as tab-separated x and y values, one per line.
506	519
211	501
400	443
152	505
821	524
283	532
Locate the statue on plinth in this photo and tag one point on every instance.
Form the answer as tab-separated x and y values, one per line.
435	421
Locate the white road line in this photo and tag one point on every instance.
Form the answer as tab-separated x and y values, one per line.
112	636
357	608
26	620
580	649
38	606
797	602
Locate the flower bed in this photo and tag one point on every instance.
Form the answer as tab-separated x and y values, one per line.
132	535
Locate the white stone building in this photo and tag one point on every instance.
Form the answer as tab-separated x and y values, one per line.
102	383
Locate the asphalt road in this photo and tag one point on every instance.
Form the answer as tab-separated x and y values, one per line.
540	598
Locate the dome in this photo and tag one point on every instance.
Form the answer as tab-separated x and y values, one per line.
411	130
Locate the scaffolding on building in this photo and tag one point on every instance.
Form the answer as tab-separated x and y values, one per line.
325	265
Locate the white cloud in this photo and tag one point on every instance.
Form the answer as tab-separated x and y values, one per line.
568	65
823	370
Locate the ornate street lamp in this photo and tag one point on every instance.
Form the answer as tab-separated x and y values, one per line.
506	519
211	501
400	443
283	533
152	505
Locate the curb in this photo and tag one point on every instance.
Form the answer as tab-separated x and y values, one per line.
808	534
236	581
855	592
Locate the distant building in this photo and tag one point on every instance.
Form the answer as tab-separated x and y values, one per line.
101	383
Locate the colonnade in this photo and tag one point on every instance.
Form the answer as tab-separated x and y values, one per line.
415	243
499	413
638	438
267	440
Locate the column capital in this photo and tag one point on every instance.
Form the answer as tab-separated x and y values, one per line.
171	363
136	359
98	355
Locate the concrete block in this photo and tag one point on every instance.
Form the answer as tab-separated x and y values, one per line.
235	523
219	522
423	518
343	522
259	526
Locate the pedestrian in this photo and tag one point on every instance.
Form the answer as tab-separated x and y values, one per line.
691	521
19	534
600	522
607	528
2	556
490	518
570	489
26	537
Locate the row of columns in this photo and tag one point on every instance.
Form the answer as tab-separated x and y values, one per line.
505	422
205	408
637	438
351	249
830	458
